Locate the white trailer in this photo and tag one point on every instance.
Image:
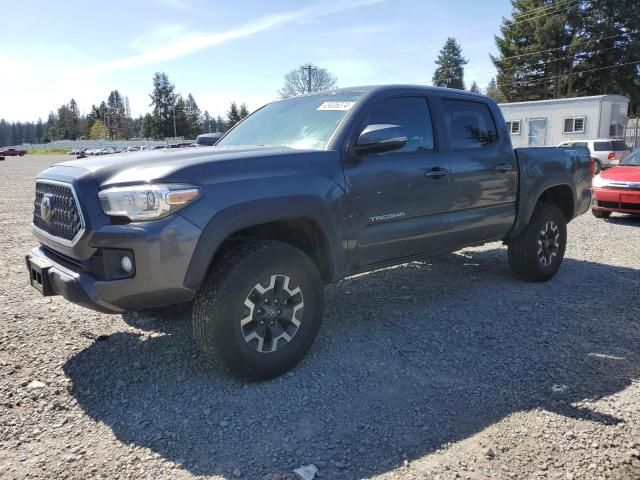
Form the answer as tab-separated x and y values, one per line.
550	122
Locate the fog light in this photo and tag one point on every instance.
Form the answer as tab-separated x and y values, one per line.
126	264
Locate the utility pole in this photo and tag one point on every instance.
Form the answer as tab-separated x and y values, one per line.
174	118
308	68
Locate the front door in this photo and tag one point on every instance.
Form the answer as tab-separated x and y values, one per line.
398	201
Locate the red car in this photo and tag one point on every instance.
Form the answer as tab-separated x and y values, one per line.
618	189
12	152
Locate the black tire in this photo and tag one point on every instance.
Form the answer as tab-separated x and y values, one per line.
220	307
529	257
600	213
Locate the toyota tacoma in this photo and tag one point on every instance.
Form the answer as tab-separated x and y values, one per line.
303	192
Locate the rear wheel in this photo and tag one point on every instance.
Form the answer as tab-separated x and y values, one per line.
537	253
259	310
600	213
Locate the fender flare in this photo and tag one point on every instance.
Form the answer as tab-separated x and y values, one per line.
535	191
256	212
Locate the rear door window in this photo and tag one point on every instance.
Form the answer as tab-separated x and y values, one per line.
470	124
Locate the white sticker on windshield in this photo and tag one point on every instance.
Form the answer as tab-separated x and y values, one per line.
336	106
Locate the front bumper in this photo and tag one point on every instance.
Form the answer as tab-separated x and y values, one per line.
162	251
616	200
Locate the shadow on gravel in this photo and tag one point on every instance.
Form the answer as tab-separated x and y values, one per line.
632	220
407	359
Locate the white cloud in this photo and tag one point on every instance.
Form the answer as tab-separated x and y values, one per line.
187	43
32	88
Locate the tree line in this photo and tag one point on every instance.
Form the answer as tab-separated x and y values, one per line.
546	49
172	115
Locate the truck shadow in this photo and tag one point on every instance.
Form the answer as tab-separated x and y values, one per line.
408	359
632	220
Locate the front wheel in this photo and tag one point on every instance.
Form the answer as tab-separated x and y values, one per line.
259	310
537	253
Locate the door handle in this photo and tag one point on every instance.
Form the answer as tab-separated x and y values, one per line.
436	172
504	167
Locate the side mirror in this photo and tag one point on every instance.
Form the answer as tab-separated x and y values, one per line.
380	138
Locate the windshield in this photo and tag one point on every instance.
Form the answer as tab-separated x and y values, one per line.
300	122
632	160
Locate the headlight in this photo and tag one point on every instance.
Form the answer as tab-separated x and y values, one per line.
147	202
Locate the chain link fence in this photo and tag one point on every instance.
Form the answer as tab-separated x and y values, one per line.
80	144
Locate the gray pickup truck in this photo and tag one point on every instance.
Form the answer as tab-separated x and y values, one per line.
303	192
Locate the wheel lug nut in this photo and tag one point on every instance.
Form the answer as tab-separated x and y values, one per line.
279	312
272	323
275	301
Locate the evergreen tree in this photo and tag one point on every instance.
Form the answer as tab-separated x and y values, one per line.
39	131
192	113
609	37
115	115
494	92
220	124
537	48
181	118
233	115
163	101
51	130
208	123
147	126
475	88
450	66
244	111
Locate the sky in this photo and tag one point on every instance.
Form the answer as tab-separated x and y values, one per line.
222	51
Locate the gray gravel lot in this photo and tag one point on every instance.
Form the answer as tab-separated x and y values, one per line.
447	368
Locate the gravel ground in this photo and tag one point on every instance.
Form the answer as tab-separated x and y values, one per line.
447	368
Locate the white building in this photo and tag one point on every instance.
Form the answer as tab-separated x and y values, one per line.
550	122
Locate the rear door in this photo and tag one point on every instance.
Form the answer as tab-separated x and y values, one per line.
398	200
483	176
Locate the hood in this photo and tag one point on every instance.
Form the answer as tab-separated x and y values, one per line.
178	165
622	174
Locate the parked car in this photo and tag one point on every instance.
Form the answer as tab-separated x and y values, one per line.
618	189
303	192
607	152
106	151
12	152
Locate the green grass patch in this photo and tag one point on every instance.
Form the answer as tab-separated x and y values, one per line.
51	151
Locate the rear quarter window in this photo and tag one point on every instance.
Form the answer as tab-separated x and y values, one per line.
619	145
602	146
470	124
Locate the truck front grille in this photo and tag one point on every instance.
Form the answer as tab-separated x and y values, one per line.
56	213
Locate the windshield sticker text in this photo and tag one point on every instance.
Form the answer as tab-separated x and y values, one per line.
336	106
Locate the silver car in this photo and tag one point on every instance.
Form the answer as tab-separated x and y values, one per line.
607	152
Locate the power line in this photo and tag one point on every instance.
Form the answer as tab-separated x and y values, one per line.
542	64
564	47
550	6
568	74
540	16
